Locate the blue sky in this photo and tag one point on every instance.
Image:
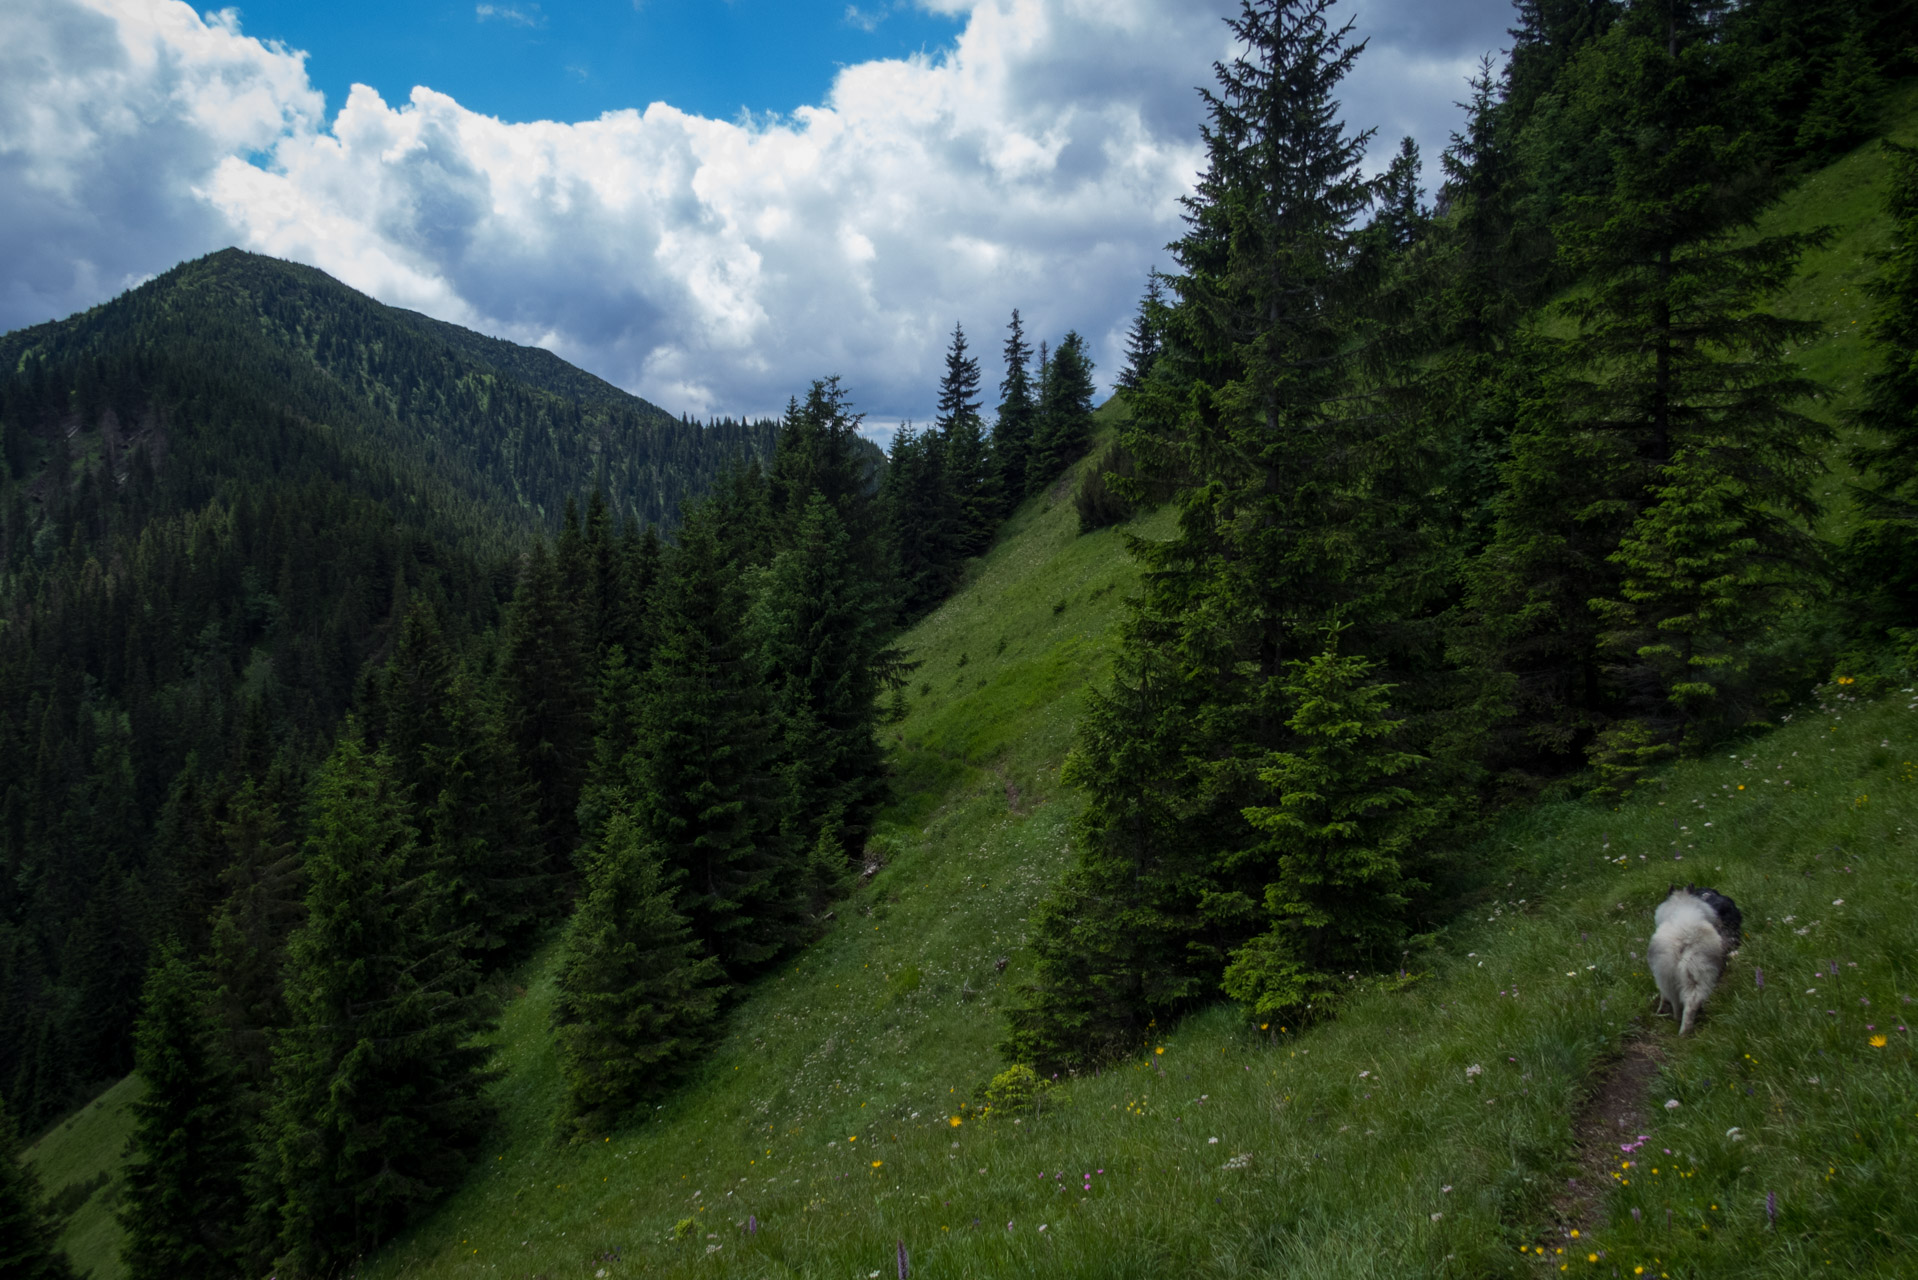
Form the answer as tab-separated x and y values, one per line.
525	60
708	202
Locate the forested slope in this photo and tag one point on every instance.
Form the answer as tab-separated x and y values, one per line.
216	492
1442	1124
1487	532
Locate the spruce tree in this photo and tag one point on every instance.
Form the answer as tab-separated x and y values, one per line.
265	903
1670	447
1548	34
185	1209
700	782
619	710
1399	217
1843	109
1143	340
741	510
546	678
968	462
1012	430
602	555
451	754
1064	428
819	452
638	570
1344	832
1292	525
817	625
379	1076
27	1236
922	520
1882	551
1484	267
637	995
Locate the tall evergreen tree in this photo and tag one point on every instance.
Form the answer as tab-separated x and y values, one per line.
1547	36
700	778
602	555
546	678
451	755
185	1206
1399	216
637	994
1658	492
638	570
1262	395
1143	340
1063	431
1842	110
379	1077
265	903
969	469
819	452
818	627
1013	427
922	520
618	712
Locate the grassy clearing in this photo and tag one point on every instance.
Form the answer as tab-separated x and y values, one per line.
81	1162
1367	1147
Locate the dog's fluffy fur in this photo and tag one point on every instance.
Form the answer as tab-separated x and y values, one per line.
1695	929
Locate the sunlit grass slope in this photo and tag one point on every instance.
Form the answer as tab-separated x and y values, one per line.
82	1170
1423	1133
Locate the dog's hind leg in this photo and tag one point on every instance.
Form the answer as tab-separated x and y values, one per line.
1687	1014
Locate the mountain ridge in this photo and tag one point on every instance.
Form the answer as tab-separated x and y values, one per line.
514	428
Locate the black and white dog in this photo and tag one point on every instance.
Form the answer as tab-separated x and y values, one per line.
1695	930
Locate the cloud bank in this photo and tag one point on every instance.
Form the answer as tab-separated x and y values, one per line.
711	266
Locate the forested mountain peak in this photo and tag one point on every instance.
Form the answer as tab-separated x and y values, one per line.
513	429
219	495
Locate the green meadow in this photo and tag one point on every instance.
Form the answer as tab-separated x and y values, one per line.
1459	1119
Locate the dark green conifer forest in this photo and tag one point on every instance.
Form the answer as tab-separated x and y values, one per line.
346	656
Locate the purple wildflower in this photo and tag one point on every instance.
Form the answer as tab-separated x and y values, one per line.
1758	976
1771	1207
905	1263
752	1224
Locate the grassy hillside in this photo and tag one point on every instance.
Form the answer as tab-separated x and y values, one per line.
81	1167
1509	1107
1431	1130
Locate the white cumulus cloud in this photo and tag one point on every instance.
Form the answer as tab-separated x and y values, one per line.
711	266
